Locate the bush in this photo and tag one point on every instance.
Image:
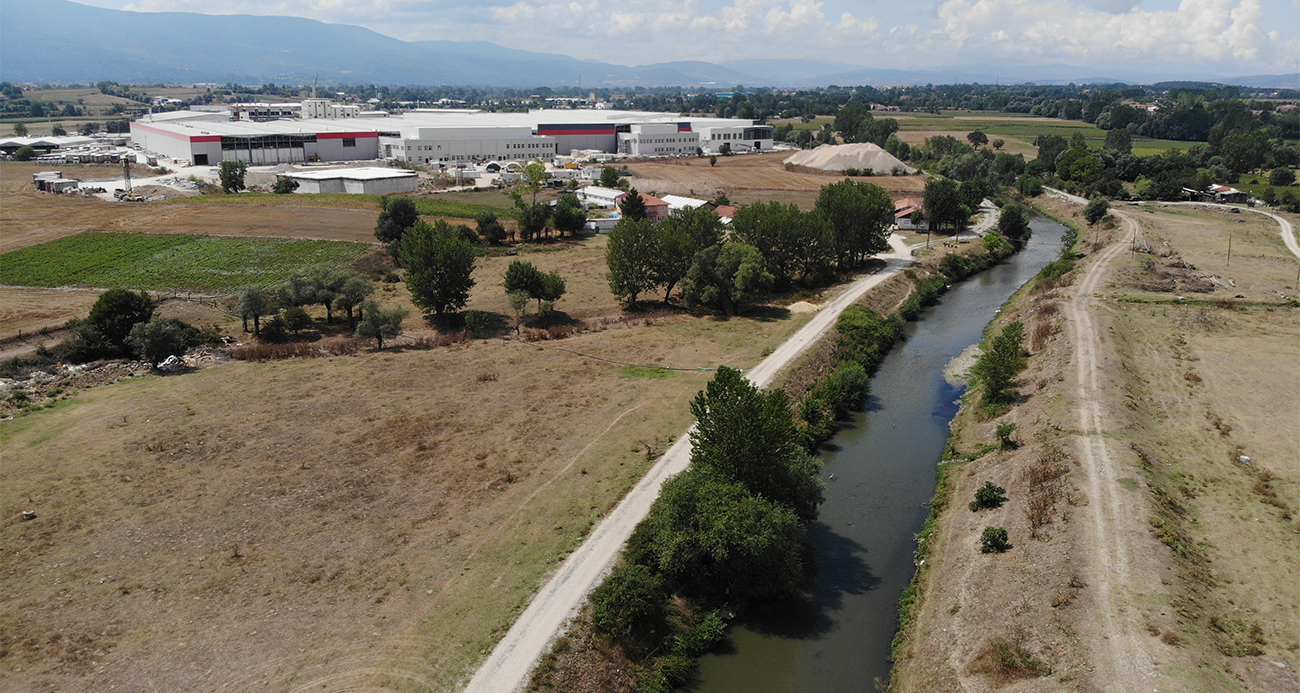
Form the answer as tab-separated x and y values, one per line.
159	338
296	319
1281	177
115	314
988	496
994	540
1029	186
284	185
629	607
274	330
1004	435
865	336
845	388
24	153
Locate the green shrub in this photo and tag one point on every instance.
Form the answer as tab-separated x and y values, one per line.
845	388
1004	435
1096	210
994	540
865	336
988	496
296	319
274	330
1281	177
628	607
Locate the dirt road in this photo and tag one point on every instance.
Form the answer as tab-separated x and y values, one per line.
1126	659
512	661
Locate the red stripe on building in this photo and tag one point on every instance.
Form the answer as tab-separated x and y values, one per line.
575	131
206	138
348	135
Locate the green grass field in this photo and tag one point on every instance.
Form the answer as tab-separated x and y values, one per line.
428	206
169	262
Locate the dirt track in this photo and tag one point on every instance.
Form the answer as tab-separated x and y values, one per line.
512	661
1111	530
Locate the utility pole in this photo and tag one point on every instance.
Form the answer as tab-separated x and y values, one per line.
1229	249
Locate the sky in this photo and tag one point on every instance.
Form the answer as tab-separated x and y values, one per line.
1223	37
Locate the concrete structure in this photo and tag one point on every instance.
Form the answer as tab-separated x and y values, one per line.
659	139
743	137
356	181
655	208
207	143
44	145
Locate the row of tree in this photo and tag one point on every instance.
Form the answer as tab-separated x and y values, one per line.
770	245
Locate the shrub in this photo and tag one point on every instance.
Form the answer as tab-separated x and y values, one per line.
628	607
158	339
274	330
284	185
1281	177
296	319
988	496
24	153
994	540
845	388
1004	435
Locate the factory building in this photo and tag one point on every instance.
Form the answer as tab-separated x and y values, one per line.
332	132
659	139
356	181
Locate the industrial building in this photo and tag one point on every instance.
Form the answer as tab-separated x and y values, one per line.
438	136
356	181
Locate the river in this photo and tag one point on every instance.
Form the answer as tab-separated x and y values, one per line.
879	474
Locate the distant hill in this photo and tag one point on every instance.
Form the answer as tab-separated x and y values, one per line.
59	41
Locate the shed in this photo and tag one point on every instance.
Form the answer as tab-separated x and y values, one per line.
356	181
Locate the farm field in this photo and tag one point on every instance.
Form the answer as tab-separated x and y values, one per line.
462	206
171	261
750	178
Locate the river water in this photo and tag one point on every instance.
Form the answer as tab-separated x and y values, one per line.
879	474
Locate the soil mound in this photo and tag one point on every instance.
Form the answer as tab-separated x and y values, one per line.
840	157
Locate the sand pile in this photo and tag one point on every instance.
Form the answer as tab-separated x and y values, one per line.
839	157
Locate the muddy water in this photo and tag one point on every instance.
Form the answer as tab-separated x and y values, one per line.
879	474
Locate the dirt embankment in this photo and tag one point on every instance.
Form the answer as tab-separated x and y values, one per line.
1144	554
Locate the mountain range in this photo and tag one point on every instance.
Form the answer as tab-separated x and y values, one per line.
56	41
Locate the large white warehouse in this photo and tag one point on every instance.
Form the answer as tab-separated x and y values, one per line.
445	136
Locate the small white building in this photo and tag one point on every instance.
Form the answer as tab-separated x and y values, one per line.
601	197
676	202
659	139
741	137
356	181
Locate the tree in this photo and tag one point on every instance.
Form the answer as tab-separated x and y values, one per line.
86	129
943	204
1281	177
378	322
532	220
977	138
860	215
725	149
1119	140
24	153
1049	148
58	130
1013	223
988	496
998	143
628	606
997	368
489	229
791	241
1029	186
284	185
524	277
632	206
1096	210
117	311
296	319
849	119
683	234
609	177
439	267
20	130
713	160
1004	432
155	340
352	293
553	289
714	539
398	215
535	176
570	215
749	436
631	257
231	174
253	303
518	302
730	277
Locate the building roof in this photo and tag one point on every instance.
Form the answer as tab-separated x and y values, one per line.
906	206
601	192
652	201
363	173
679	202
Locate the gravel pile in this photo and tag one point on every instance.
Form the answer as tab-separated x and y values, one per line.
841	157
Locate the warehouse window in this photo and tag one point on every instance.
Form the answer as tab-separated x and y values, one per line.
349	141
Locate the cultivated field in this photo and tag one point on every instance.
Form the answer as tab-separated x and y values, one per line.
1145	555
750	178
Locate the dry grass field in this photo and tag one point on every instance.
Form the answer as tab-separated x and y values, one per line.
360	522
1187	386
750	178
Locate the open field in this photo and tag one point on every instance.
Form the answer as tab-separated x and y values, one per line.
750	178
441	205
1150	558
24	310
169	261
348	522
